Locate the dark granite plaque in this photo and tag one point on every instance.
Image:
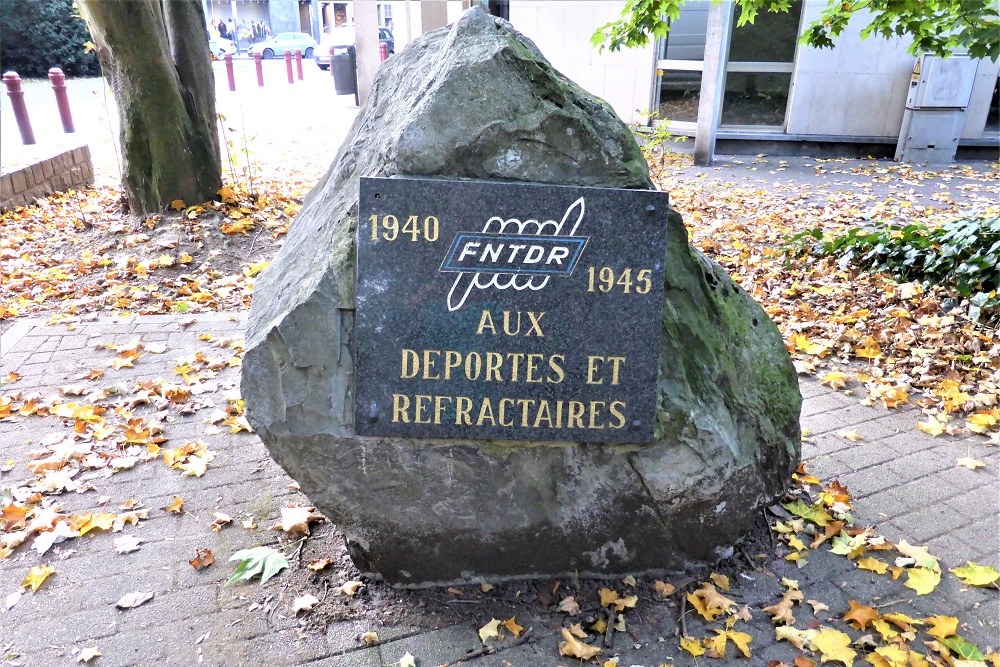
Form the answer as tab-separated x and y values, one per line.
507	311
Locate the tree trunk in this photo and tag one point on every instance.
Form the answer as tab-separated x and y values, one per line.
156	58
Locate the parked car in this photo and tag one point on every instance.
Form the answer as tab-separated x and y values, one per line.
344	36
220	47
277	45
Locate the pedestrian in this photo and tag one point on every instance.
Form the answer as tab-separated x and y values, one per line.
222	29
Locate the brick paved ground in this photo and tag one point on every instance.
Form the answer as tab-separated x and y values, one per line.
904	481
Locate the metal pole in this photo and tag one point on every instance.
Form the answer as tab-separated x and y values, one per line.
229	71
13	83
260	70
713	80
58	80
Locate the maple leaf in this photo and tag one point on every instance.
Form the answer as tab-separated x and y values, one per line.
800	639
574	648
130	600
304	603
663	589
920	555
126	544
720	580
873	565
741	640
781	612
513	627
265	561
970	463
941	626
92	521
87	654
569	605
37	576
922	580
350	588
816	514
692	646
852	436
490	631
931	427
369	638
14	516
178	205
835	380
860	615
963	648
407	660
175	506
817	606
320	564
834	646
44	541
202	559
708	602
296	520
974	574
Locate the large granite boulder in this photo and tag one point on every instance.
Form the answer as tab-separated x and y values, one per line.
478	100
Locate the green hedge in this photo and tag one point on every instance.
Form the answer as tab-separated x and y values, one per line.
39	34
962	255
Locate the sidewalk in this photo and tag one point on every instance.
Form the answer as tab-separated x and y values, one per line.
904	481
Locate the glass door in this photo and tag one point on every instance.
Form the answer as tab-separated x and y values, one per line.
681	56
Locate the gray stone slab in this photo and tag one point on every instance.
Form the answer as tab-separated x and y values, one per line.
433	648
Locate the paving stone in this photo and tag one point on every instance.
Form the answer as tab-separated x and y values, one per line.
369	657
433	648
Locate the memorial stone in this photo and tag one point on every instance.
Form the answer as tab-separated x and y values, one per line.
390	319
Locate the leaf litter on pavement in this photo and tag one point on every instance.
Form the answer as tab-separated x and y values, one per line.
854	330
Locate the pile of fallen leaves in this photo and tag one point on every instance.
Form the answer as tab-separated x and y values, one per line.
79	251
897	341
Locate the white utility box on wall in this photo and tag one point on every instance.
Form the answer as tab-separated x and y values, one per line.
939	93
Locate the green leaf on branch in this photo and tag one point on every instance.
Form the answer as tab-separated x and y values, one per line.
264	561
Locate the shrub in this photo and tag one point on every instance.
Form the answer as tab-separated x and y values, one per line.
962	256
39	34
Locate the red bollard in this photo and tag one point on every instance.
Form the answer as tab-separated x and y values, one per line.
58	81
260	71
229	71
13	83
288	66
383	51
298	63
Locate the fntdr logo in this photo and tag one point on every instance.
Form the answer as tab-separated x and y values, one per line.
511	254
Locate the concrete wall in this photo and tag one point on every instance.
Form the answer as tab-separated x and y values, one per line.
562	31
283	16
979	105
67	170
857	88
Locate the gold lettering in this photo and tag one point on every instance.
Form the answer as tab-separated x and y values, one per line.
515	360
400	409
429	364
410	365
533	360
525	404
616	363
486	321
469	366
592	370
463	406
493	362
486	412
556	366
595	411
536	324
503	411
559	414
452	361
543	414
439	408
421	404
616	409
575	417
507	326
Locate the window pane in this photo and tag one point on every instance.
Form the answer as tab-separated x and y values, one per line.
755	98
770	38
679	93
686	39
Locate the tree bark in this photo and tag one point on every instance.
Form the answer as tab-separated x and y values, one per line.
156	59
